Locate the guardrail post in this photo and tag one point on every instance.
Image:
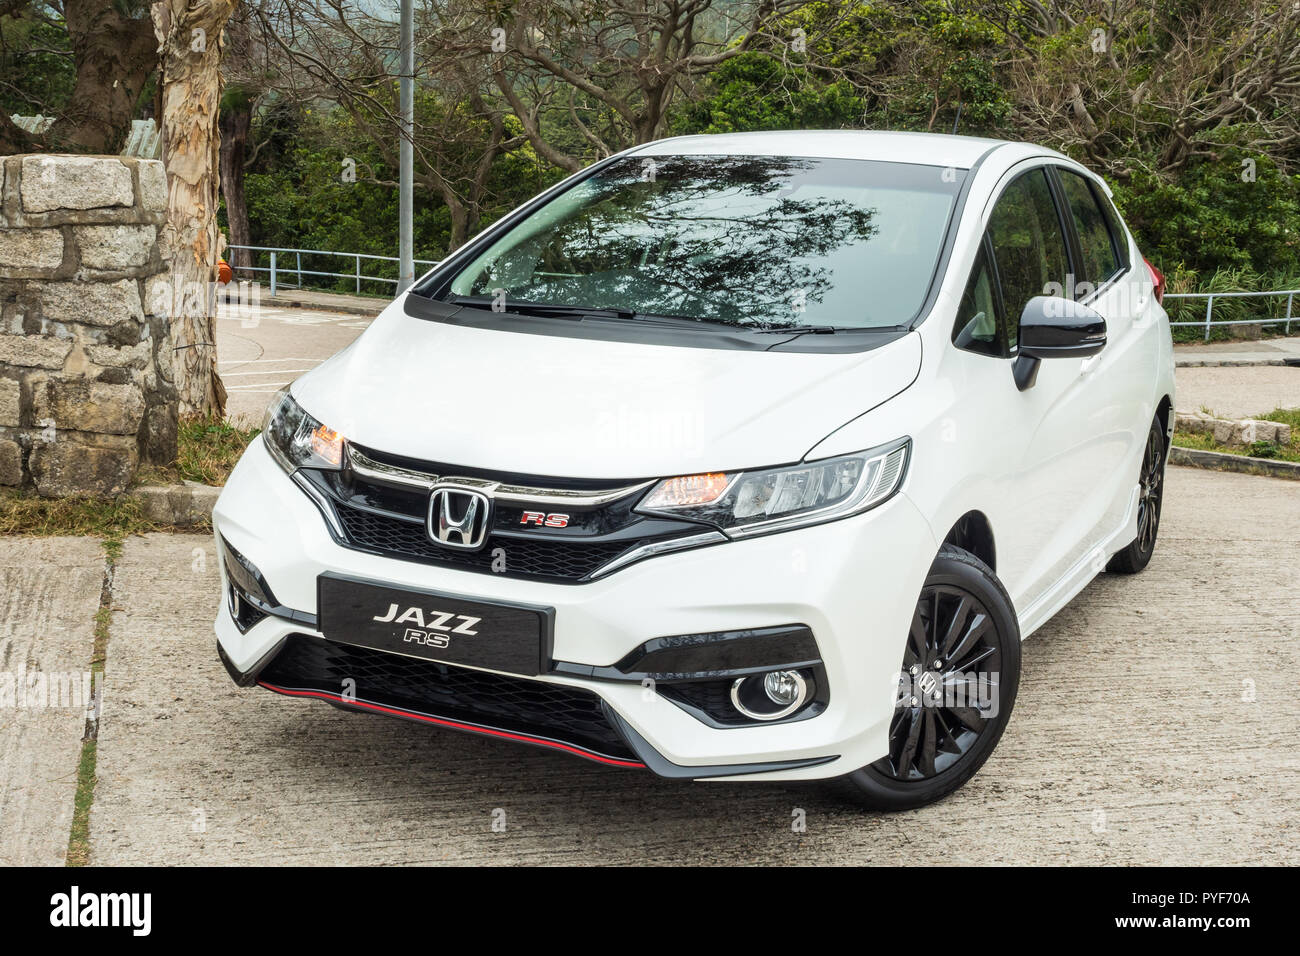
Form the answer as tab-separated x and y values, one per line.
358	275
299	269
1289	298
1209	307
272	272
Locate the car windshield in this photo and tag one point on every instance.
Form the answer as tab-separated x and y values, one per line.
753	241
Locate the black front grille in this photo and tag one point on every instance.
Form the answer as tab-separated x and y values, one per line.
566	714
561	560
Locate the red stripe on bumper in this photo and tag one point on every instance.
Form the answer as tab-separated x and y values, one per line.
457	725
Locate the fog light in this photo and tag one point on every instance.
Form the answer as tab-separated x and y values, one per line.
769	696
248	597
783	687
234	602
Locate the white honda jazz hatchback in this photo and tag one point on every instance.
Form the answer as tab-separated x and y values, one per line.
740	457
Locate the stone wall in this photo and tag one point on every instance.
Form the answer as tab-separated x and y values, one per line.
86	389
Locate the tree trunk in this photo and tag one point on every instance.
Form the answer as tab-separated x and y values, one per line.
190	41
236	121
115	54
15	139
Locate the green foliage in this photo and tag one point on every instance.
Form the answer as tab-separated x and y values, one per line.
300	194
1227	220
35	76
1211	190
1233	211
756	91
876	67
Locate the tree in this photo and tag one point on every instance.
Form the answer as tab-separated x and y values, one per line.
609	68
114	56
190	39
236	122
1162	85
340	52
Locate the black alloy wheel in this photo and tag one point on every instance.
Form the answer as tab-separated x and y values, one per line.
947	687
1151	490
956	690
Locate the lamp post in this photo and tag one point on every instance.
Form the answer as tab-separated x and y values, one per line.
406	156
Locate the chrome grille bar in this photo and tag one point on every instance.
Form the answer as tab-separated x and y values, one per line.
377	471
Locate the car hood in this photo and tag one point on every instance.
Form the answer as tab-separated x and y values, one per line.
557	406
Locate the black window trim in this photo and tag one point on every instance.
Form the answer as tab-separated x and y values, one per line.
1114	225
1065	216
1073	243
995	277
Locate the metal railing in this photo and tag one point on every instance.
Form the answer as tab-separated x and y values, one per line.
290	273
1209	298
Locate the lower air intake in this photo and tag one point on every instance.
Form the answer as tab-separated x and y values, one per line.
552	715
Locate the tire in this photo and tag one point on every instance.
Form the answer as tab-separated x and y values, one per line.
934	748
1151	480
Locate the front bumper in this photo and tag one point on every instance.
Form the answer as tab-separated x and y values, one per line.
852	582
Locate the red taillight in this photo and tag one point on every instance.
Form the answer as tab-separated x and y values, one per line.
1158	278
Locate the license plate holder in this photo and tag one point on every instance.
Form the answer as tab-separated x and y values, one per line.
435	625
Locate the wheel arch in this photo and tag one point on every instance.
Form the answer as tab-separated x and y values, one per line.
1164	412
974	533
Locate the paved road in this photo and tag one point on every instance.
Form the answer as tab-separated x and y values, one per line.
1274	351
1156	724
1238	392
261	349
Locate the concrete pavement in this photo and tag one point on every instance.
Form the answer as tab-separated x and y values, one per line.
1238	392
364	305
1276	351
1155	724
49	593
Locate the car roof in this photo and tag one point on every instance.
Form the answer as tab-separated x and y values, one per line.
926	149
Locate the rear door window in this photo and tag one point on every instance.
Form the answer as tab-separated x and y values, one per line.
1100	253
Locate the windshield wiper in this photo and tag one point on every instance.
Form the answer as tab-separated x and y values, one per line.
799	329
545	309
583	312
548	309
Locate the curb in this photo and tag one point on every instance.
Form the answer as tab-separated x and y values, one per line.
182	505
1190	359
1220	461
1225	363
289	302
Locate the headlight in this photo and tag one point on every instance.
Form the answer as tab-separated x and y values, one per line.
777	499
296	440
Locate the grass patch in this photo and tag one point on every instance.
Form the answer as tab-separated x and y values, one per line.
1287	416
1260	449
207	450
79	838
79	835
109	518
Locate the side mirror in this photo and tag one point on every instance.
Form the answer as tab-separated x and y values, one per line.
1053	327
